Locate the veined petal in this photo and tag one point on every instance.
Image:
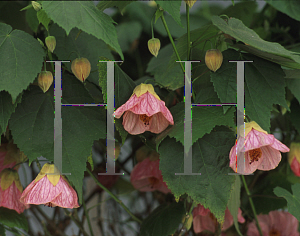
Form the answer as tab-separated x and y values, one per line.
158	123
270	158
132	123
256	139
250	168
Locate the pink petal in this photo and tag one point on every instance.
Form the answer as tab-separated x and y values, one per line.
270	158
132	123
233	158
43	192
200	210
144	170
241	219
158	123
295	166
10	197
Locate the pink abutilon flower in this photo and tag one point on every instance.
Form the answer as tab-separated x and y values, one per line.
144	111
276	223
262	150
50	189
10	191
294	158
204	220
146	176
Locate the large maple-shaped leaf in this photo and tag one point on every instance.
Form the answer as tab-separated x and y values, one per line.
21	59
6	109
264	85
293	200
32	127
85	16
211	159
257	46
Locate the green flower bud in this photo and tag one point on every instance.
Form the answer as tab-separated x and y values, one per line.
154	46
45	80
81	68
36	5
51	43
213	59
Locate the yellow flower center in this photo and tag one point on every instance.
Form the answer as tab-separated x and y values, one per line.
153	181
255	154
145	119
274	232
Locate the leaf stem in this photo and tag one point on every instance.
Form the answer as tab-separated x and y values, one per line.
188	31
252	205
171	40
114	197
87	217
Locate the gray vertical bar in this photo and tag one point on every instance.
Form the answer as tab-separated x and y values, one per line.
110	139
240	146
188	160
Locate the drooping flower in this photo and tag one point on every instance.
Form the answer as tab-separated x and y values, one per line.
213	59
294	158
146	176
50	189
144	111
81	68
11	190
276	223
261	150
10	155
204	220
154	46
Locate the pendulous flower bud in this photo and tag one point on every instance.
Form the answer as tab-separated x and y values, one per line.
154	46
81	68
190	2
36	5
51	43
213	59
45	80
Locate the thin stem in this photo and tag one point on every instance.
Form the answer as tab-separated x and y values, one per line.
188	31
114	197
171	40
252	205
152	25
87	217
76	222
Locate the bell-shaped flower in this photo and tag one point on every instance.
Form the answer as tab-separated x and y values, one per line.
146	176
204	220
277	223
258	150
51	189
10	155
11	190
294	158
144	111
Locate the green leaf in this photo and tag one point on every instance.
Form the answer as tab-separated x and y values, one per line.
204	119
123	133
32	20
170	77
294	86
210	158
173	8
32	123
102	5
85	16
29	6
264	81
234	202
293	200
81	126
158	14
43	18
128	32
6	109
24	62
86	45
90	160
164	220
295	114
11	218
2	230
291	8
257	46
292	74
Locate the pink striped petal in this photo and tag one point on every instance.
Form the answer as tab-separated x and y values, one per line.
43	192
270	158
295	166
10	197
